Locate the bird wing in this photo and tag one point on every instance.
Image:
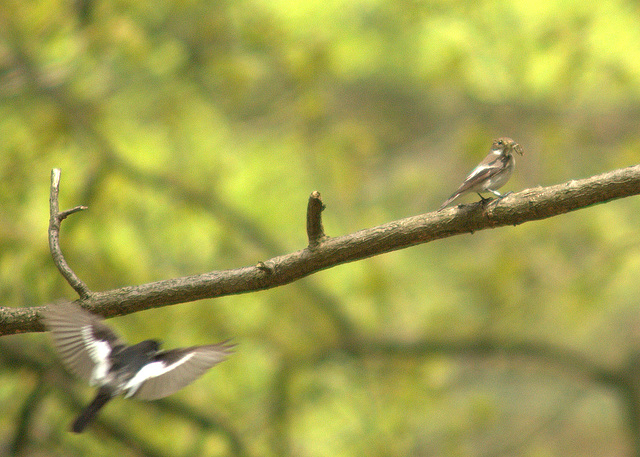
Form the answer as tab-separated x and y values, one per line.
172	370
491	165
82	340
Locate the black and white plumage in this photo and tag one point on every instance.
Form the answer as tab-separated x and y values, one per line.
93	352
492	173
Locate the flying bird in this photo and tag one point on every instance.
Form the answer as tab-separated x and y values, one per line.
94	353
492	173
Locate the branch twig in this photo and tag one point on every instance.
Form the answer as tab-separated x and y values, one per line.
315	231
55	219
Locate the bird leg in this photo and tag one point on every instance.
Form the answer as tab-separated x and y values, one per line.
499	195
484	200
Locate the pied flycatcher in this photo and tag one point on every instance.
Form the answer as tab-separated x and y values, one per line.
93	352
492	173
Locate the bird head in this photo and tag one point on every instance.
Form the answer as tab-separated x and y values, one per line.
149	346
506	144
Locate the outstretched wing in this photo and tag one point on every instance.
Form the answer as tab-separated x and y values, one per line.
172	370
82	340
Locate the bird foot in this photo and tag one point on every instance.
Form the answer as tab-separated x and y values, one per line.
484	200
498	198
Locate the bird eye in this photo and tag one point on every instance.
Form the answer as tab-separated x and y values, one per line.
500	142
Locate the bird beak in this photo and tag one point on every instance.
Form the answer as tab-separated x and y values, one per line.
518	149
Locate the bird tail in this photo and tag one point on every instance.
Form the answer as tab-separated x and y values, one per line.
448	200
90	411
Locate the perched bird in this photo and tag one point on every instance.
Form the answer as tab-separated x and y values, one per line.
492	173
93	352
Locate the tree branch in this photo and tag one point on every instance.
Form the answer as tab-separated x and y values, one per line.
20	440
315	231
528	205
55	219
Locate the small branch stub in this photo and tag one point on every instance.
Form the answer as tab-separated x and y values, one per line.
262	266
315	231
55	219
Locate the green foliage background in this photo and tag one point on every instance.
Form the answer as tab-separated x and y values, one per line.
195	131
